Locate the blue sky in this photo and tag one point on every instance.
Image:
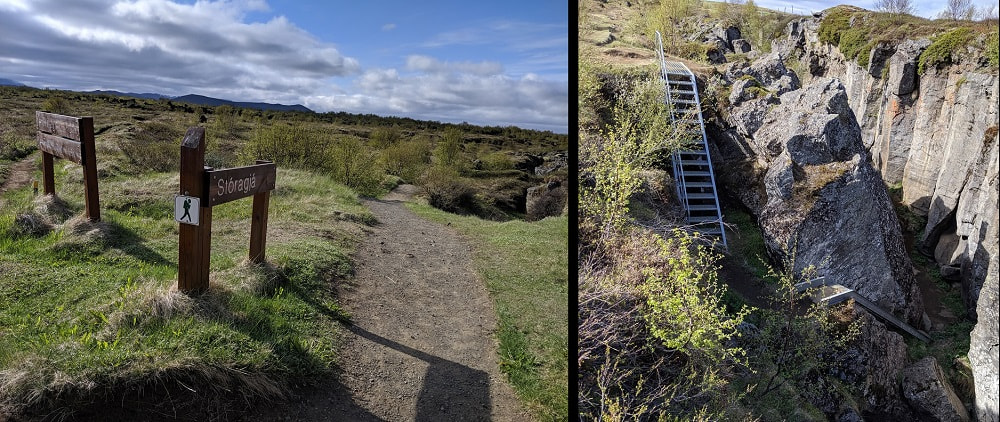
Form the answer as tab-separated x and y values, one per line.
491	63
925	8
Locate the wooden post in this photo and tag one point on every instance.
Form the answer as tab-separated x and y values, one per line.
48	179
195	242
89	157
258	223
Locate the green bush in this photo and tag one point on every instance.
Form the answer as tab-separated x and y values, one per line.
943	46
354	164
383	137
406	159
448	148
834	24
497	161
447	191
56	104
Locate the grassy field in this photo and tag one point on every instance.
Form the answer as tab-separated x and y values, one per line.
525	268
86	308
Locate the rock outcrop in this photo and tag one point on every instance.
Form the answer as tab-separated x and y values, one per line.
935	135
927	389
546	200
815	195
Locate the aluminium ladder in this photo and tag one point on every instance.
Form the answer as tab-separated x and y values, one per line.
693	174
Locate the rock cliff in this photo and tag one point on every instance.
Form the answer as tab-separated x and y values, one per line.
935	135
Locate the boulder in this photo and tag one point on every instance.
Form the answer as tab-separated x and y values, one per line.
827	203
741	46
552	162
715	55
927	389
873	362
545	200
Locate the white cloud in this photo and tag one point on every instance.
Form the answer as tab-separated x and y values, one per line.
388	27
450	92
171	48
432	65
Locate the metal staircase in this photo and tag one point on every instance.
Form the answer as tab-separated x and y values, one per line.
693	172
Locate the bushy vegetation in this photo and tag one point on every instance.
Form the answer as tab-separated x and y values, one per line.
943	47
856	32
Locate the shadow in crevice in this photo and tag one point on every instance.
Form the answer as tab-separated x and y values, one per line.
451	391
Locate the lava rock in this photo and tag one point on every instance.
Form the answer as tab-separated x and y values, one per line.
927	389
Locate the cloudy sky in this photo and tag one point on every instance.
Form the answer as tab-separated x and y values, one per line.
490	63
924	8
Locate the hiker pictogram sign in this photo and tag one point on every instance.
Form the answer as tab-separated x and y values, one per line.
201	188
183	205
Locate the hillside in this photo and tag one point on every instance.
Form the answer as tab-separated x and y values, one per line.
852	149
92	323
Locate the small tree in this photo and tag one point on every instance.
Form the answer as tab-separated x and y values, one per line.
959	10
895	7
449	147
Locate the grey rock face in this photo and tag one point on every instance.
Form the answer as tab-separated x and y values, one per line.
741	46
545	200
927	389
902	78
826	201
984	348
877	357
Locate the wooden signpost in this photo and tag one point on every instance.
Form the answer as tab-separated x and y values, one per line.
71	138
201	188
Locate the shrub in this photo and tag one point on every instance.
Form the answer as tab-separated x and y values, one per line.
56	104
447	191
497	161
943	46
153	147
992	49
353	164
406	159
448	148
383	137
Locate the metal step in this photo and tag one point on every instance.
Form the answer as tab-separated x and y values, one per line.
700	185
696	173
696	220
702	207
700	196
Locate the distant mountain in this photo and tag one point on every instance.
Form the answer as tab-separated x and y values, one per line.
145	95
10	82
209	101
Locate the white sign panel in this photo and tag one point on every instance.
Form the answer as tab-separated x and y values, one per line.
186	209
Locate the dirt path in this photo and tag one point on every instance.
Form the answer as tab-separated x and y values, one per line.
20	174
422	346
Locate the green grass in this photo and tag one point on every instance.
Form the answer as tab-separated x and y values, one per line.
525	266
88	308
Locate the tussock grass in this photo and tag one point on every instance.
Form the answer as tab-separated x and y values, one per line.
525	266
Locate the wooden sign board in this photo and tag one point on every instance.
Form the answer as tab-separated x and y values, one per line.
70	138
240	182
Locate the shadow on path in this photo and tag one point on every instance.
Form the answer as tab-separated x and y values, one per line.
450	391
